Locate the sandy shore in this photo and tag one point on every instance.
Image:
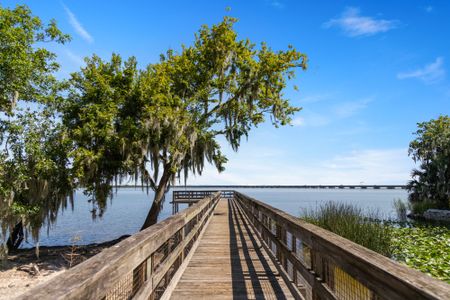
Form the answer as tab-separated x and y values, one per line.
23	270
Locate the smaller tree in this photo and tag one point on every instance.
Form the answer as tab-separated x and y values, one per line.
34	181
33	158
431	181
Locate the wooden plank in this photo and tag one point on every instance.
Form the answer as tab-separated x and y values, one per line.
280	267
229	263
146	290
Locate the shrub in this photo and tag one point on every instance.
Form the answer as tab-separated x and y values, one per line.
421	207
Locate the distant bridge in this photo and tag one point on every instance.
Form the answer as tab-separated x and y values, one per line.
315	186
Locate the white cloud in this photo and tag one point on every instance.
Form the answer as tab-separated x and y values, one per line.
340	111
299	121
348	109
371	166
353	24
314	98
311	119
74	58
77	25
276	4
430	73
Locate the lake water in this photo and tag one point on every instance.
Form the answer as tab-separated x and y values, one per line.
126	212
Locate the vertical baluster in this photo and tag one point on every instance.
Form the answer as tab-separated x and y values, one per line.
294	251
279	234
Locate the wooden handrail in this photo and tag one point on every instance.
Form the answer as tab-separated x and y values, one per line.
139	266
197	195
193	196
327	266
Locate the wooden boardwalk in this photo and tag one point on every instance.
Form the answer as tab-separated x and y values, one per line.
230	263
237	249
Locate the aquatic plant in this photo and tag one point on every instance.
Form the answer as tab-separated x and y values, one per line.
424	248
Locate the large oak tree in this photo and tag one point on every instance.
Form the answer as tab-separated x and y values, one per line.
162	123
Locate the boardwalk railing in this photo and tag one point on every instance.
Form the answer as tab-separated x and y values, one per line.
193	196
143	266
323	265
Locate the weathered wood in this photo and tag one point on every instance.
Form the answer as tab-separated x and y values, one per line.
146	290
93	278
381	275
308	274
278	264
229	263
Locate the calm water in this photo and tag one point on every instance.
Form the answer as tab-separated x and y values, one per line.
128	209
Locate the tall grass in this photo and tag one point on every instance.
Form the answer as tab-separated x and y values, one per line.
351	222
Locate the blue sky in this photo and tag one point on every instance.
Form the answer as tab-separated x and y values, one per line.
376	68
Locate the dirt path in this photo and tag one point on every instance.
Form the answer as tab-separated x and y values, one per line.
24	270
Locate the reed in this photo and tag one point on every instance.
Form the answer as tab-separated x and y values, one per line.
351	222
401	208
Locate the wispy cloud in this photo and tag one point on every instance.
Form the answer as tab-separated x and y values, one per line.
353	24
341	110
276	3
348	109
77	25
430	73
429	8
314	98
311	119
76	59
299	121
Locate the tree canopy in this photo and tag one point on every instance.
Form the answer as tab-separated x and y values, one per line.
161	123
34	180
431	148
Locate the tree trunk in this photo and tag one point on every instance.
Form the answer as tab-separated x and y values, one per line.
152	216
15	237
